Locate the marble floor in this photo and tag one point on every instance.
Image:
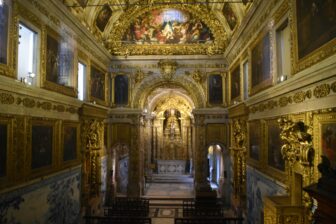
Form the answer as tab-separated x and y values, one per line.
169	190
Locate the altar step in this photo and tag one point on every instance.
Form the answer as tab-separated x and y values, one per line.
166	178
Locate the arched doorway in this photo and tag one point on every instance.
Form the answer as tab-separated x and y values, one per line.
120	164
220	171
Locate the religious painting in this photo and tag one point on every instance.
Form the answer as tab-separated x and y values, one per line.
66	62
230	16
103	17
261	63
328	142
215	88
53	59
167	26
254	129
3	150
121	90
274	156
97	84
69	143
235	83
4	13
42	146
316	24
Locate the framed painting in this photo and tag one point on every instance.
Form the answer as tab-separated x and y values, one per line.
314	32
70	141
325	138
254	140
215	89
235	84
59	66
103	17
98	85
274	143
4	21
42	144
121	90
261	76
167	26
230	16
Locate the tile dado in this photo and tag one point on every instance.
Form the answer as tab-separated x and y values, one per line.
55	199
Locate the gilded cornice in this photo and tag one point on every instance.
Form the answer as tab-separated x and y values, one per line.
7	98
200	12
315	92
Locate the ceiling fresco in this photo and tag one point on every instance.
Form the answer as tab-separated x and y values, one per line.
152	27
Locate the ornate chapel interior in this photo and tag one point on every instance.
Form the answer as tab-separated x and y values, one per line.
168	102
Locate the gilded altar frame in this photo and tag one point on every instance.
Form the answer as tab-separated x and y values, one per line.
103	102
325	50
77	160
66	90
55	152
10	172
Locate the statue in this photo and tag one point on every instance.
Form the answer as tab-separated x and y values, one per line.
172	128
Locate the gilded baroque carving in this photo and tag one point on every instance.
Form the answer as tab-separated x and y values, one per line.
44	105
333	87
299	97
198	76
322	90
93	131
284	101
167	68
297	145
6	98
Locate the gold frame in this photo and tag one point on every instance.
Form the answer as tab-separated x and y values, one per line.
77	160
313	57
33	173
318	121
268	82
66	90
235	65
9	177
223	75
9	68
270	170
113	75
250	160
90	97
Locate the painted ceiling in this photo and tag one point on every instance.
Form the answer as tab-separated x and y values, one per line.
149	27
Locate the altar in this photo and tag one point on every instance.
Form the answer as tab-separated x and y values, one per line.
173	167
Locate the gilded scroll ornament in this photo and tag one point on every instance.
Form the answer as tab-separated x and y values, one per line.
297	145
197	75
139	76
93	131
167	68
322	90
6	98
333	87
239	133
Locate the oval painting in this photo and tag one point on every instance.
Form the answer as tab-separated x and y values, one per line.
167	26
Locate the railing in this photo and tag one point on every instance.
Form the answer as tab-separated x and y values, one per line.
128	207
208	220
117	220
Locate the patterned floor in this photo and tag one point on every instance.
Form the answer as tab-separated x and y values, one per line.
170	190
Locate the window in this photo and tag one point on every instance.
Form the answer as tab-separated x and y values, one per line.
245	78
27	58
283	51
81	81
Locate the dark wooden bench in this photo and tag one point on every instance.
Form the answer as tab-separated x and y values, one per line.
128	207
208	220
117	220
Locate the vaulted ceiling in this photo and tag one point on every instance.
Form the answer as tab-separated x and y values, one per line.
110	20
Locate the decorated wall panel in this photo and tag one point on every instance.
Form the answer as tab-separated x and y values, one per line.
55	199
258	187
